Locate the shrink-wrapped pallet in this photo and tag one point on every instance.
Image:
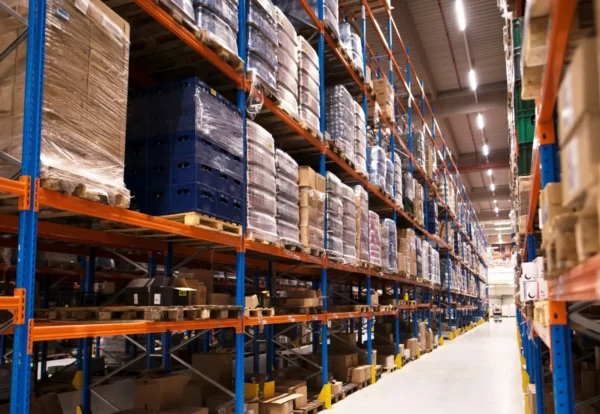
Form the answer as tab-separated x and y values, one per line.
349	224
353	45
335	213
360	139
374	239
216	18
84	104
392	242
301	18
398	179
287	68
377	168
384	234
362	223
339	112
288	197
309	101
263	43
389	176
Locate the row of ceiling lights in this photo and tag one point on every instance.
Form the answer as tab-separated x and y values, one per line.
462	24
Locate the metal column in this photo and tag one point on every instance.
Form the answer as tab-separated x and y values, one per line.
150	343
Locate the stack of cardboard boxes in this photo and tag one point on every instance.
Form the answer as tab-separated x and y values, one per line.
384	92
407	252
312	207
532	281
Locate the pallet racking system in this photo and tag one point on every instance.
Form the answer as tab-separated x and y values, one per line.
576	285
233	250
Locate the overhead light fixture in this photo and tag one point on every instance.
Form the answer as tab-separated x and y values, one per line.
489	172
499	236
503	228
472	79
502	223
460	15
485	149
495	201
496	210
492	186
480	123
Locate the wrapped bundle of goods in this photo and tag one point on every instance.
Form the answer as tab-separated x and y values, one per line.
384	235
309	101
374	239
377	166
287	64
398	178
335	211
261	193
263	43
384	92
84	105
434	264
184	151
288	197
389	176
312	209
419	256
408	189
349	224
302	19
353	45
425	255
362	223
340	119
219	19
392	241
360	139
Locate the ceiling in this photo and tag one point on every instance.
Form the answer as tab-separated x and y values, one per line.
438	50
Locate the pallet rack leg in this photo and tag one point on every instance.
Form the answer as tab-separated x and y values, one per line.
44	354
415	316
255	330
150	343
315	325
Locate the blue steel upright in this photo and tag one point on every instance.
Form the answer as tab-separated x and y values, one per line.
34	80
88	291
150	344
240	257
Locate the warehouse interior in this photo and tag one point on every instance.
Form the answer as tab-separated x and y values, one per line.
292	206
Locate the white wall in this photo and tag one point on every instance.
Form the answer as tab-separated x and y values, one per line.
501	289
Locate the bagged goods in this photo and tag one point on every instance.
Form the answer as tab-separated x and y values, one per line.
362	223
288	197
340	119
374	239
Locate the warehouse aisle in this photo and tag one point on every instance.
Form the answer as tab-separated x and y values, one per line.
476	373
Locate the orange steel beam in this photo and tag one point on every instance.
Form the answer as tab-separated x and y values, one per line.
102	211
44	331
287	254
13	187
278	319
154	10
577	284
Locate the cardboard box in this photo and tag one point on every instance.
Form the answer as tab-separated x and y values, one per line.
374	299
413	346
360	374
578	93
297	387
251	302
307	177
281	404
302	299
196	392
198	297
529	271
429	340
341	364
579	157
221	299
159	393
336	387
551	202
218	367
363	357
531	397
106	288
342	341
385	360
528	290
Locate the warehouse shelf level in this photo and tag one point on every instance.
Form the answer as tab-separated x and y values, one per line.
60	223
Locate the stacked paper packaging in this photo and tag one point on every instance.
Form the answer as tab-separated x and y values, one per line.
362	223
532	283
454	282
309	103
218	17
287	62
352	43
263	43
389	177
398	177
377	173
434	266
360	139
384	235
374	239
288	197
261	188
392	242
312	214
335	212
407	255
340	119
350	225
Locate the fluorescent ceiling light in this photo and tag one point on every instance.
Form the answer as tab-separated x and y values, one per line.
496	210
489	172
480	123
503	228
493	187
485	149
460	15
502	223
495	201
472	80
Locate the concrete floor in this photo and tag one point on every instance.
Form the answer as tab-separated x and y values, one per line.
476	373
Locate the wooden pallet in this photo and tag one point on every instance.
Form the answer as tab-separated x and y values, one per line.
312	310
291	245
82	188
314	251
361	385
259	312
375	267
261	237
378	372
349	388
308	128
196	219
348	308
390	369
178	15
363	264
338	397
312	407
147	313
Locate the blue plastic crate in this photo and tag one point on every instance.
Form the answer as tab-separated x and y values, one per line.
136	152
135	176
158	172
156	201
159	147
204	199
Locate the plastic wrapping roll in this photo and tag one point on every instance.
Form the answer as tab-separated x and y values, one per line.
223	33
377	166
227	10
374	239
362	223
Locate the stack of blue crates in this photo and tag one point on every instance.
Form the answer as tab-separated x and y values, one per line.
184	151
263	43
432	217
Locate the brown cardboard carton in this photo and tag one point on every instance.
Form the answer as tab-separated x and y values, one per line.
385	360
307	177
218	367
196	392
336	387
320	183
199	296
342	341
531	396
551	202
579	157
413	346
360	374
221	299
281	404
374	299
159	393
294	387
341	365
204	277
578	93
251	302
429	340
187	409
363	357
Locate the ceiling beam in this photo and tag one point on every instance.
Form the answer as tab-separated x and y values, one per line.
476	162
459	102
483	194
490	215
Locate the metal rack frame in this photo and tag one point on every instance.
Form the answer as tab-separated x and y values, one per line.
462	309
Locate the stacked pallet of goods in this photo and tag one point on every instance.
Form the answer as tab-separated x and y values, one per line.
288	199
312	208
350	224
219	19
362	223
340	121
334	198
287	64
263	43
